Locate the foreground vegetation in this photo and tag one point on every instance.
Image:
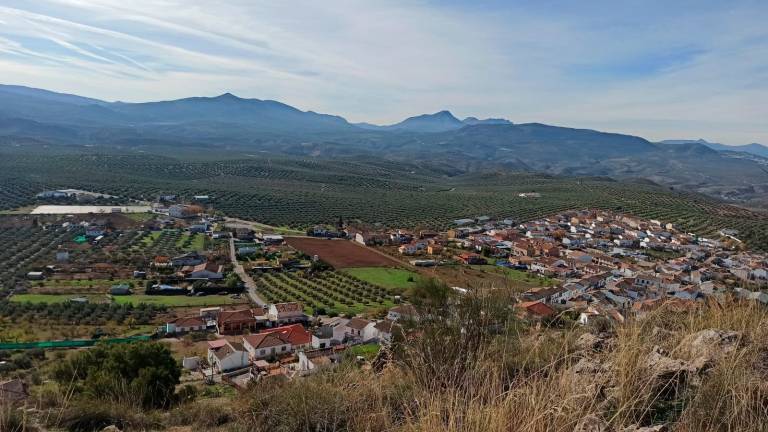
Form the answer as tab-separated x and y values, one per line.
473	365
462	376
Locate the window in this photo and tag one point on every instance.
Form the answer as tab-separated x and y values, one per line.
283	348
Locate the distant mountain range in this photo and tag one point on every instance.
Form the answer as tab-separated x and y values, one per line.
233	126
754	148
438	122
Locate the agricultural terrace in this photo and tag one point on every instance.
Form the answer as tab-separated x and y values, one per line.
77	286
341	253
300	193
28	321
329	292
170	242
174	301
56	298
22	247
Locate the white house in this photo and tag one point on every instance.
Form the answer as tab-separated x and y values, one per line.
339	326
310	363
181	211
322	337
405	312
225	356
286	313
361	330
386	329
205	271
185	325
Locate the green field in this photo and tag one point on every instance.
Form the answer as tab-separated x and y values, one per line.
85	282
368	351
385	277
191	242
53	298
177	301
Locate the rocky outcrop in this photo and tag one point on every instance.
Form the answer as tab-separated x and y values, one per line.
592	423
706	347
669	375
657	428
592	342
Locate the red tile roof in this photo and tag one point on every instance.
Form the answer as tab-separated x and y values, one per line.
536	308
296	334
289	307
235	316
265	340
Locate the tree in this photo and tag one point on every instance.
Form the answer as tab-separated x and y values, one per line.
233	281
144	373
430	295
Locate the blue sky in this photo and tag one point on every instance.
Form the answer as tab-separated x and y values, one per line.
659	69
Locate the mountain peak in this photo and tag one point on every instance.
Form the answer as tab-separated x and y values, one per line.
444	113
440	121
227	96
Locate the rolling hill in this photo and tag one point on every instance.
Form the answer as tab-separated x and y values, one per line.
235	126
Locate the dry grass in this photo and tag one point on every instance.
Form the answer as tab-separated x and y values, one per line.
524	380
476	368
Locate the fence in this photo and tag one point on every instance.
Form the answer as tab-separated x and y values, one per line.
69	343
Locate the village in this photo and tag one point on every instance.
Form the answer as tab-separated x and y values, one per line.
604	264
240	303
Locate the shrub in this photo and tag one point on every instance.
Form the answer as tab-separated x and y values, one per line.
14	420
141	374
87	416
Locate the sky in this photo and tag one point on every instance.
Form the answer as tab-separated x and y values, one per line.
673	69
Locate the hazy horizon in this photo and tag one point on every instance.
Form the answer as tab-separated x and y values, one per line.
684	71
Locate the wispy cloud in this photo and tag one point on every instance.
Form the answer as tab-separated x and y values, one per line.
691	69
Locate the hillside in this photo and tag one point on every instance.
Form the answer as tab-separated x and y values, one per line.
240	127
753	148
301	192
479	369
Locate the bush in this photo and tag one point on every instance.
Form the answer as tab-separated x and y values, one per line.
141	374
87	416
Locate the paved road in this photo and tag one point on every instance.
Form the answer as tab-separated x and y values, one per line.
257	226
250	285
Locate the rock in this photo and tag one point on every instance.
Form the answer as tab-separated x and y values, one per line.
664	367
588	366
706	347
659	335
589	342
592	423
636	428
669	376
